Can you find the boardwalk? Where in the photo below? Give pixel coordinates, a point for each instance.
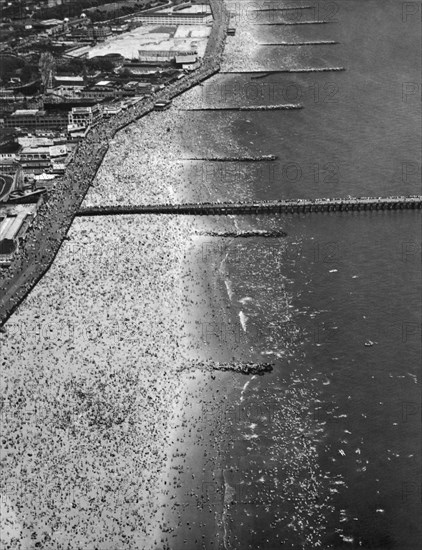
(258, 207)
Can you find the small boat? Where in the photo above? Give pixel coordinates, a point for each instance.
(369, 343)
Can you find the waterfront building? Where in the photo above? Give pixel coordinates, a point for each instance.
(68, 85)
(101, 90)
(32, 119)
(163, 56)
(177, 18)
(186, 61)
(14, 222)
(35, 160)
(83, 117)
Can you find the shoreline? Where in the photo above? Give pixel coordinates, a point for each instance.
(56, 214)
(191, 503)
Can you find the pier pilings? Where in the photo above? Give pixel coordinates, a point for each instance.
(261, 207)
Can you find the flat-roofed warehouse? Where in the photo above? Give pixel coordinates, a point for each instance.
(14, 222)
(170, 19)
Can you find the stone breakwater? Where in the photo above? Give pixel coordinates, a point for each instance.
(309, 43)
(280, 71)
(242, 368)
(245, 234)
(278, 107)
(293, 8)
(287, 23)
(248, 368)
(57, 212)
(245, 158)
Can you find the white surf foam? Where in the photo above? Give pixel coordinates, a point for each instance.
(243, 320)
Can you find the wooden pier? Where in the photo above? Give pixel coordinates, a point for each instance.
(259, 207)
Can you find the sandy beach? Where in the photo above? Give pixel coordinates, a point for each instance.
(120, 433)
(89, 379)
(98, 372)
(92, 362)
(100, 383)
(102, 398)
(147, 163)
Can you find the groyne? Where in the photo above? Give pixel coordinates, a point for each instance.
(280, 71)
(287, 8)
(310, 43)
(274, 233)
(262, 207)
(261, 158)
(279, 107)
(286, 23)
(248, 368)
(55, 215)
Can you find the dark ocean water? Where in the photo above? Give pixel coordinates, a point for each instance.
(359, 132)
(325, 451)
(352, 480)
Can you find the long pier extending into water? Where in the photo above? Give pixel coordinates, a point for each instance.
(261, 207)
(282, 71)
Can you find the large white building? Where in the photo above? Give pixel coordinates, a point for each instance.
(176, 18)
(68, 86)
(83, 117)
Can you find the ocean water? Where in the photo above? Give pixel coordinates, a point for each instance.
(323, 452)
(359, 131)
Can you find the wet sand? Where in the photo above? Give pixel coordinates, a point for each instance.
(192, 483)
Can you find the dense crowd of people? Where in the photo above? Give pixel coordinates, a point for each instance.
(85, 434)
(55, 216)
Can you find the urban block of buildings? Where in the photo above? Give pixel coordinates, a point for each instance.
(42, 121)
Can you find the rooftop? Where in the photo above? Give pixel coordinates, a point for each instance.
(81, 110)
(9, 162)
(69, 79)
(185, 59)
(51, 22)
(36, 149)
(25, 112)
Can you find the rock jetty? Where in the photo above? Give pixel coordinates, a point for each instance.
(248, 368)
